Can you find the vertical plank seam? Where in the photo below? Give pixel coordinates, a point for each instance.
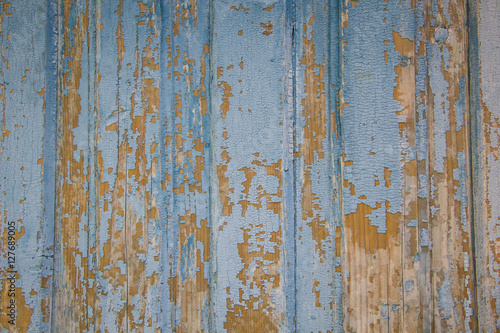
(338, 155)
(427, 7)
(471, 22)
(345, 303)
(211, 165)
(290, 114)
(295, 169)
(175, 235)
(420, 11)
(54, 171)
(125, 142)
(90, 4)
(166, 197)
(49, 148)
(331, 112)
(212, 324)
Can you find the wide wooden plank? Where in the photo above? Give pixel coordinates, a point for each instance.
(128, 168)
(378, 93)
(485, 115)
(407, 202)
(25, 237)
(248, 155)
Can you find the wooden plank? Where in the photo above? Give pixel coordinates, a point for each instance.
(248, 156)
(452, 261)
(128, 164)
(318, 275)
(406, 127)
(92, 127)
(49, 161)
(139, 97)
(422, 284)
(25, 281)
(188, 168)
(378, 103)
(110, 300)
(73, 209)
(485, 115)
(167, 103)
(407, 45)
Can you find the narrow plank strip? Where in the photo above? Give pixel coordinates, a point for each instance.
(485, 115)
(167, 102)
(49, 162)
(23, 291)
(337, 147)
(110, 301)
(72, 214)
(408, 45)
(248, 140)
(139, 97)
(91, 229)
(423, 283)
(189, 222)
(289, 241)
(452, 261)
(317, 299)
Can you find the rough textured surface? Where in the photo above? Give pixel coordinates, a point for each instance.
(318, 249)
(407, 203)
(24, 271)
(186, 157)
(484, 60)
(248, 157)
(257, 166)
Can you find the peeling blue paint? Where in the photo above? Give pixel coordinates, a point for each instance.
(409, 285)
(219, 151)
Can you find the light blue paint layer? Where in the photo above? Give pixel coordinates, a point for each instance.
(22, 81)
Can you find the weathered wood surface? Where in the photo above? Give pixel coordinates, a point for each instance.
(27, 101)
(249, 166)
(248, 157)
(186, 153)
(407, 203)
(485, 117)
